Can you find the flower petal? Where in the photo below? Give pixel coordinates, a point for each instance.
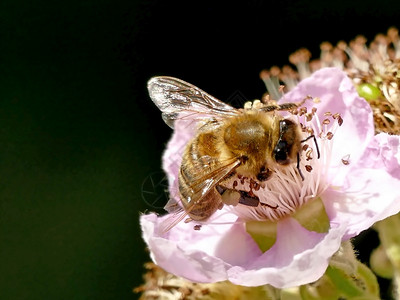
(202, 255)
(372, 189)
(172, 157)
(296, 251)
(194, 265)
(221, 252)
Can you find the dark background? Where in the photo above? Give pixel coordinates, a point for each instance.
(80, 139)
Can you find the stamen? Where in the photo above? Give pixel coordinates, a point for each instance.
(300, 59)
(313, 110)
(302, 111)
(271, 83)
(376, 65)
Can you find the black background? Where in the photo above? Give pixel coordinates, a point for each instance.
(80, 138)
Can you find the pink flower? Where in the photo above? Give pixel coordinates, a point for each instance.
(357, 178)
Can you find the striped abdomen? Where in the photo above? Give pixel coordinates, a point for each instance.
(199, 160)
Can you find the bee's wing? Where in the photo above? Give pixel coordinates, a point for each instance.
(201, 186)
(213, 172)
(179, 99)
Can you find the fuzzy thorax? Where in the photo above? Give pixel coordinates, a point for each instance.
(251, 137)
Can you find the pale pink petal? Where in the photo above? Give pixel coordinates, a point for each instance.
(221, 252)
(298, 257)
(383, 152)
(200, 255)
(193, 265)
(372, 189)
(172, 157)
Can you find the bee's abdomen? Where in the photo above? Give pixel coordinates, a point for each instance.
(199, 159)
(202, 208)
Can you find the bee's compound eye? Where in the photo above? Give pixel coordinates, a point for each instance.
(281, 153)
(284, 124)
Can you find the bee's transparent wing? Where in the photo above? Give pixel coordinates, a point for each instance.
(179, 99)
(213, 172)
(201, 185)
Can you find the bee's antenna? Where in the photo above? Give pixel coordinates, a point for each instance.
(316, 144)
(298, 155)
(298, 167)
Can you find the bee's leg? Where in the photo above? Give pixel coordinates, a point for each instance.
(249, 199)
(234, 197)
(228, 196)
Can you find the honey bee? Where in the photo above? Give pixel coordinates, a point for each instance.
(249, 143)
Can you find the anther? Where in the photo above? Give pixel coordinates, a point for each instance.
(308, 154)
(345, 160)
(340, 120)
(316, 100)
(302, 110)
(315, 141)
(197, 227)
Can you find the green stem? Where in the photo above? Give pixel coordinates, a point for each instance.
(343, 282)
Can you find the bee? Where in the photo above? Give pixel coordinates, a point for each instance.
(248, 143)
